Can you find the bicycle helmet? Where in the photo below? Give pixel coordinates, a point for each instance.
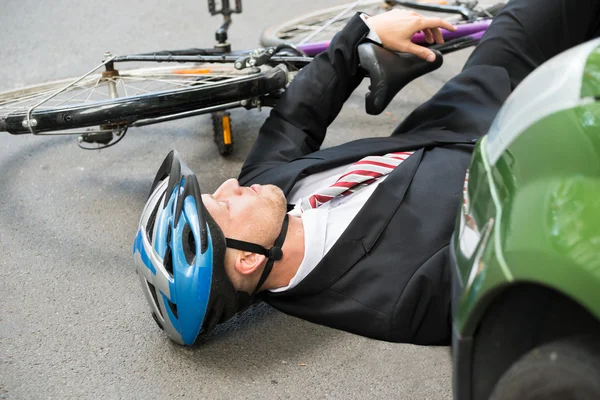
(179, 254)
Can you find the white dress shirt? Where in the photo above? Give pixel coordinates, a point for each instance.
(324, 225)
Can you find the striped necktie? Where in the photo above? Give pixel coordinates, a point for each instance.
(357, 176)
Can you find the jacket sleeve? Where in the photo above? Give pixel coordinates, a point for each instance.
(298, 123)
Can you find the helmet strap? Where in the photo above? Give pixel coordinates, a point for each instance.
(273, 254)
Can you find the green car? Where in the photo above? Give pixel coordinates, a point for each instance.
(526, 249)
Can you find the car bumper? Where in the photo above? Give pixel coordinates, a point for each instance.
(461, 346)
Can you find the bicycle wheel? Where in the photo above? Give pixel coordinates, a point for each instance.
(117, 99)
(322, 25)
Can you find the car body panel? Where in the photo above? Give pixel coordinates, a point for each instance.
(530, 217)
(545, 208)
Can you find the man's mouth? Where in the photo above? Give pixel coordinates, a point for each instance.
(256, 188)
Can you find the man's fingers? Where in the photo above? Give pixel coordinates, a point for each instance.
(437, 33)
(428, 36)
(425, 22)
(419, 51)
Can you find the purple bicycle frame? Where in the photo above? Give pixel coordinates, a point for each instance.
(474, 30)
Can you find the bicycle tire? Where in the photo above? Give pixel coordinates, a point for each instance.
(282, 32)
(195, 90)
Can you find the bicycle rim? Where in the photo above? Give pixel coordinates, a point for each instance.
(100, 91)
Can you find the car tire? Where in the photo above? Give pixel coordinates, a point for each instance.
(564, 369)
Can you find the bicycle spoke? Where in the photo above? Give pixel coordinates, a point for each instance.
(314, 28)
(147, 85)
(331, 21)
(27, 98)
(60, 103)
(178, 83)
(91, 92)
(136, 88)
(124, 88)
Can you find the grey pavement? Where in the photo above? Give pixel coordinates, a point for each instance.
(73, 320)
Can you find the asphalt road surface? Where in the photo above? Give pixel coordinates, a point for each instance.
(73, 320)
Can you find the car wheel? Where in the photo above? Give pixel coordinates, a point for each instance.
(565, 369)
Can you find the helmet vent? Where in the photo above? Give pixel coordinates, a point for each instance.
(155, 297)
(189, 244)
(151, 223)
(168, 261)
(157, 321)
(173, 308)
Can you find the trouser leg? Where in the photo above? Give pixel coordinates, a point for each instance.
(523, 35)
(528, 32)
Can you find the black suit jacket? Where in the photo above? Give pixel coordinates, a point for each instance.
(387, 277)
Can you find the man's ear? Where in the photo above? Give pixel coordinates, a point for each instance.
(246, 262)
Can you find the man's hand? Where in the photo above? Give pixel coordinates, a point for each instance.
(395, 28)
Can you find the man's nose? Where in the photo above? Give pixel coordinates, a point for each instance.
(229, 187)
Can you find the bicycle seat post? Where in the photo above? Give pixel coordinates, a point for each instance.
(226, 10)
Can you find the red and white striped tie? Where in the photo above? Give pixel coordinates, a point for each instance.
(356, 177)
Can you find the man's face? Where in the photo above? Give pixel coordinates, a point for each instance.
(253, 214)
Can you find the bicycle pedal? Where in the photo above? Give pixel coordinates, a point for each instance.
(225, 9)
(222, 131)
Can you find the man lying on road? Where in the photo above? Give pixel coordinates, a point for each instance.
(356, 236)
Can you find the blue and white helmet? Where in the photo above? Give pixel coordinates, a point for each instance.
(179, 255)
